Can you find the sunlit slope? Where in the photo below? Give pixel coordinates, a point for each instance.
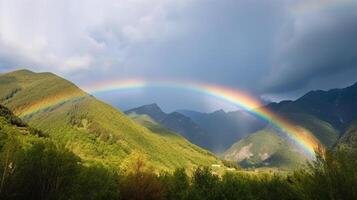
(92, 129)
(265, 149)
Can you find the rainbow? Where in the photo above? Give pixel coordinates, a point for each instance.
(48, 102)
(299, 136)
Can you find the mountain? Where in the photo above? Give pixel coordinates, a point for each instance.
(153, 110)
(265, 148)
(225, 128)
(175, 122)
(329, 115)
(336, 106)
(92, 129)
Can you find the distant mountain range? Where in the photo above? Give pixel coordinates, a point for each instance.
(330, 115)
(225, 127)
(337, 106)
(214, 131)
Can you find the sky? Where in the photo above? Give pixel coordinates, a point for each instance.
(272, 49)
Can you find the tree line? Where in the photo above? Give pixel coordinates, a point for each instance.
(46, 171)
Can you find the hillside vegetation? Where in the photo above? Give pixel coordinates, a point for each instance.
(34, 167)
(92, 129)
(265, 149)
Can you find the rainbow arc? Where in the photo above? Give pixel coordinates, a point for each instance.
(300, 136)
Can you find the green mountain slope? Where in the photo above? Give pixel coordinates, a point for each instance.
(91, 128)
(265, 149)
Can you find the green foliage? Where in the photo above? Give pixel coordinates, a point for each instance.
(140, 183)
(332, 176)
(45, 172)
(204, 184)
(33, 167)
(177, 184)
(96, 182)
(10, 117)
(231, 164)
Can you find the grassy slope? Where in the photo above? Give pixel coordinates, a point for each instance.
(264, 148)
(92, 129)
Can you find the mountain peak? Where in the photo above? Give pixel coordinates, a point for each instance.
(152, 110)
(153, 105)
(219, 112)
(22, 72)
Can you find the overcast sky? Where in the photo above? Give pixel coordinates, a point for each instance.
(274, 49)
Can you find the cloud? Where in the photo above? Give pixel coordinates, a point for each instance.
(67, 36)
(276, 48)
(318, 43)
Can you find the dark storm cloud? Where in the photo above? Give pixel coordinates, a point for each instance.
(324, 46)
(269, 48)
(222, 42)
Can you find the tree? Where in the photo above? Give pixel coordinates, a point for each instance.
(46, 172)
(332, 175)
(177, 185)
(96, 182)
(139, 182)
(204, 184)
(10, 153)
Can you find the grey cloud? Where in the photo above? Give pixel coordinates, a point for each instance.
(325, 45)
(265, 47)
